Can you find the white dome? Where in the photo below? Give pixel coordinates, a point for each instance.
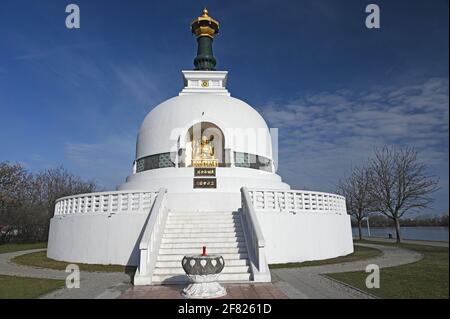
(165, 127)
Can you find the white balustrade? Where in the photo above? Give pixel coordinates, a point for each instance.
(255, 239)
(151, 240)
(297, 201)
(106, 203)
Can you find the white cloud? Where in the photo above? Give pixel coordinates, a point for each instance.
(109, 162)
(323, 135)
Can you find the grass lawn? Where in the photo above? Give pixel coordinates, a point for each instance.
(12, 287)
(9, 248)
(40, 260)
(360, 253)
(427, 278)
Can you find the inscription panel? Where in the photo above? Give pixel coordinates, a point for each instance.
(204, 172)
(205, 183)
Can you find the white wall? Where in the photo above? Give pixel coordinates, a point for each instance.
(305, 236)
(96, 239)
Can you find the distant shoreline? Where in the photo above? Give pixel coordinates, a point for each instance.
(424, 233)
(406, 226)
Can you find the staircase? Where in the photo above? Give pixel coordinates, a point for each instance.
(186, 233)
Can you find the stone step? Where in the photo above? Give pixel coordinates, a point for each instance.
(228, 263)
(199, 245)
(184, 214)
(208, 234)
(212, 250)
(179, 256)
(201, 226)
(200, 217)
(208, 215)
(194, 221)
(216, 229)
(199, 240)
(180, 271)
(180, 279)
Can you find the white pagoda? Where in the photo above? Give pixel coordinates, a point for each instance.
(204, 175)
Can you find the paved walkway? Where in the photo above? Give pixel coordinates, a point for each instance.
(234, 291)
(296, 283)
(308, 282)
(92, 285)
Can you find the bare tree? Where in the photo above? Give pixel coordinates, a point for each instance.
(15, 194)
(27, 201)
(399, 183)
(51, 184)
(356, 190)
(14, 183)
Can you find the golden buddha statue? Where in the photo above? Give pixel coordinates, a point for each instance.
(203, 154)
(207, 150)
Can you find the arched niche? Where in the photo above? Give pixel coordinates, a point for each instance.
(194, 138)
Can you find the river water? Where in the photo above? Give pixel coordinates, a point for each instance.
(419, 233)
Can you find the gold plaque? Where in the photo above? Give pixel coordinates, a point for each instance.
(205, 84)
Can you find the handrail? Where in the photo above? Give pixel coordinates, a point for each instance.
(105, 203)
(297, 201)
(151, 240)
(104, 193)
(259, 189)
(251, 213)
(255, 239)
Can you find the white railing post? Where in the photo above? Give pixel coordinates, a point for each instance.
(264, 199)
(100, 203)
(79, 205)
(129, 203)
(276, 201)
(109, 206)
(119, 202)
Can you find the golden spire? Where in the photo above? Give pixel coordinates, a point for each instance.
(205, 26)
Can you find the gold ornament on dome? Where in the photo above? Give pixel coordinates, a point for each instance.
(203, 153)
(205, 26)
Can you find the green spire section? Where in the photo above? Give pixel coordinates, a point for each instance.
(205, 28)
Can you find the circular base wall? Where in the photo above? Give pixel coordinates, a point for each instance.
(114, 239)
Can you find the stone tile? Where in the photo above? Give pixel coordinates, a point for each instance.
(235, 291)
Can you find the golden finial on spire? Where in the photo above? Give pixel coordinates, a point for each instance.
(205, 25)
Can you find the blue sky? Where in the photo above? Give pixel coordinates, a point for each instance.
(334, 88)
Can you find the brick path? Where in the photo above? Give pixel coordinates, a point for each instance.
(235, 291)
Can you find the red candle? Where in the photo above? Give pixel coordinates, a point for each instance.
(204, 250)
